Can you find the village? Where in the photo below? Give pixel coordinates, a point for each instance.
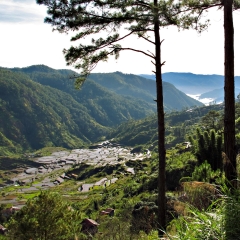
(99, 155)
(52, 172)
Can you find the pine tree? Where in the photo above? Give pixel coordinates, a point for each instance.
(142, 18)
(47, 216)
(208, 147)
(229, 96)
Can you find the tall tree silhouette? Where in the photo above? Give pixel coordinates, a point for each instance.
(142, 18)
(229, 86)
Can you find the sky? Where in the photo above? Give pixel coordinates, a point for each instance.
(26, 40)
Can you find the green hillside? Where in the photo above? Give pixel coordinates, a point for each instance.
(136, 93)
(40, 107)
(144, 89)
(144, 131)
(34, 116)
(106, 107)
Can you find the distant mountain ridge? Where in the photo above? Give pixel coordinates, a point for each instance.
(217, 94)
(192, 84)
(138, 87)
(128, 86)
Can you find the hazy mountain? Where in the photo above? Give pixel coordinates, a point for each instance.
(217, 94)
(191, 83)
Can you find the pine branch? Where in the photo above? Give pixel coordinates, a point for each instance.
(136, 50)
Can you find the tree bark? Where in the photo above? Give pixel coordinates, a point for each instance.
(161, 128)
(229, 96)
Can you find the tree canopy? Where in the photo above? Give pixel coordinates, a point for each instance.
(47, 216)
(102, 26)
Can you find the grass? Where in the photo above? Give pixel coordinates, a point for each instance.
(220, 221)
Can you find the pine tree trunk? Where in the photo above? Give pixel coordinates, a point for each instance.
(161, 129)
(229, 96)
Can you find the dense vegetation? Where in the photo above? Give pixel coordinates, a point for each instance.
(178, 126)
(34, 116)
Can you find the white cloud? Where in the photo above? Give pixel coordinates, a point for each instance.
(26, 40)
(13, 11)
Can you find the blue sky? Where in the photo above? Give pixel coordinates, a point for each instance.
(26, 40)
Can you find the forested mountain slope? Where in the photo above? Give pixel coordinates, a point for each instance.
(40, 106)
(33, 116)
(144, 131)
(142, 88)
(106, 107)
(137, 91)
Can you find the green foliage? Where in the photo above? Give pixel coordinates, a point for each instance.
(212, 120)
(47, 216)
(232, 216)
(204, 173)
(198, 225)
(208, 146)
(220, 221)
(144, 217)
(178, 167)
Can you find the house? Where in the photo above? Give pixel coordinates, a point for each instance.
(63, 175)
(108, 211)
(89, 226)
(8, 212)
(74, 175)
(3, 230)
(59, 180)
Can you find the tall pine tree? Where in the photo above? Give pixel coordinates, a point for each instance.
(103, 21)
(229, 97)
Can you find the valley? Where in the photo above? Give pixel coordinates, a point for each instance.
(53, 170)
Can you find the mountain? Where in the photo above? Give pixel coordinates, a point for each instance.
(130, 85)
(191, 83)
(143, 132)
(40, 106)
(105, 107)
(132, 90)
(217, 94)
(34, 116)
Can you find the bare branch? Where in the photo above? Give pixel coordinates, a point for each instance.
(147, 39)
(136, 50)
(151, 53)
